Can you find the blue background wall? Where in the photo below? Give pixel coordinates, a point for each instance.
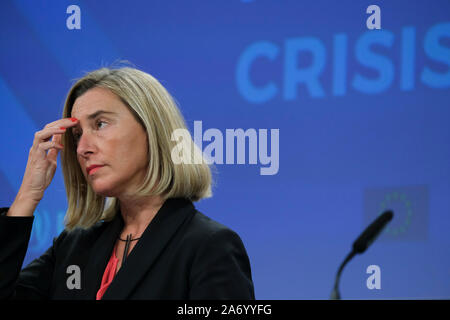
(367, 128)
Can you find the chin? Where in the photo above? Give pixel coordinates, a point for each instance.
(103, 189)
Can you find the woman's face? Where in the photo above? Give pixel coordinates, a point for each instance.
(108, 135)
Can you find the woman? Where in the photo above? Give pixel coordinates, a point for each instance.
(147, 241)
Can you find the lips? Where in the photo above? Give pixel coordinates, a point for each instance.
(92, 167)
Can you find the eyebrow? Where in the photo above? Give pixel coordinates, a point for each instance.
(96, 113)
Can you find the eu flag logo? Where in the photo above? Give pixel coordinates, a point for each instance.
(410, 207)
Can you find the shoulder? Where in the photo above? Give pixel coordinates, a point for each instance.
(203, 226)
(220, 267)
(80, 237)
(205, 232)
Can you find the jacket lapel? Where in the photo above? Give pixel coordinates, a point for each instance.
(100, 254)
(161, 229)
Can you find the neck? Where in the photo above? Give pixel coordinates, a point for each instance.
(137, 213)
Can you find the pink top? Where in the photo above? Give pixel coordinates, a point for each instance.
(108, 275)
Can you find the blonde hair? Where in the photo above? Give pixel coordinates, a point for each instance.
(155, 109)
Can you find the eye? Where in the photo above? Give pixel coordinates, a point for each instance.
(99, 122)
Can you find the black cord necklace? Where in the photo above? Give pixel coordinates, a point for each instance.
(127, 245)
(130, 238)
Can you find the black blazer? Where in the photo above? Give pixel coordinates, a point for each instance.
(182, 254)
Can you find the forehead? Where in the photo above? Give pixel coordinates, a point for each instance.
(96, 99)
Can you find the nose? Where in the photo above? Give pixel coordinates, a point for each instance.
(86, 144)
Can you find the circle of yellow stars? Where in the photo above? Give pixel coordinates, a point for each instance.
(402, 198)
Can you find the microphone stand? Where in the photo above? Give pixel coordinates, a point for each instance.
(335, 295)
(361, 244)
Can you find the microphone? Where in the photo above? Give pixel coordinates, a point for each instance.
(361, 244)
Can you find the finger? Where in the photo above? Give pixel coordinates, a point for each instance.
(52, 154)
(57, 138)
(66, 122)
(58, 125)
(45, 146)
(41, 151)
(45, 134)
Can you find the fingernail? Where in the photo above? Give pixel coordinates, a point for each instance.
(74, 119)
(62, 128)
